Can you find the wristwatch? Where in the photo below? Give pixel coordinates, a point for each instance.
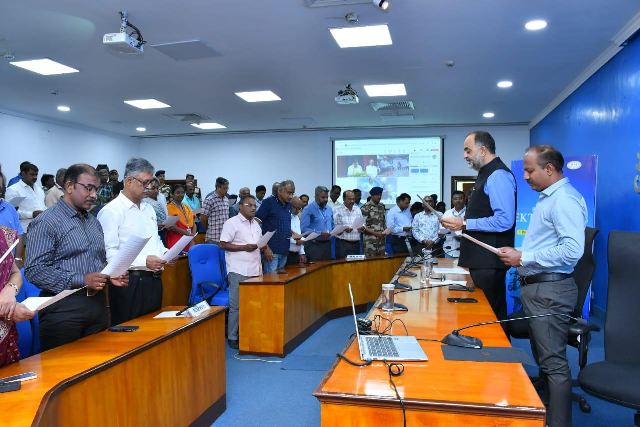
(18, 258)
(14, 286)
(520, 263)
(464, 224)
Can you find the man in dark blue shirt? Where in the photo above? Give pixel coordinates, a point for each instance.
(275, 214)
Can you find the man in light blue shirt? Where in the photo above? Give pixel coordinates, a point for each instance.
(317, 217)
(399, 217)
(552, 247)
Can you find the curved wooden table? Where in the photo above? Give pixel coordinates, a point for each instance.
(171, 372)
(437, 392)
(279, 311)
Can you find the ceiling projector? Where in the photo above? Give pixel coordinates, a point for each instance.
(347, 96)
(123, 42)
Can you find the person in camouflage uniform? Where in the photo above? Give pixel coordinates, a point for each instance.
(165, 188)
(375, 223)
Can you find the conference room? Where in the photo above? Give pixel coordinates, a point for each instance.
(393, 101)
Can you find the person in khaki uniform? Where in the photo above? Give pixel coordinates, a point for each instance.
(375, 223)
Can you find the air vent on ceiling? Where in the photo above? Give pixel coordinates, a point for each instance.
(393, 106)
(186, 50)
(188, 117)
(396, 118)
(323, 3)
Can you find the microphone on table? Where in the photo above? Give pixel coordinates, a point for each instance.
(409, 265)
(458, 340)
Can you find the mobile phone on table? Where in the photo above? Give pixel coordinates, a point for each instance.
(19, 378)
(468, 300)
(123, 328)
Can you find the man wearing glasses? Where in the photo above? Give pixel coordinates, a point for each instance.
(66, 251)
(130, 215)
(242, 256)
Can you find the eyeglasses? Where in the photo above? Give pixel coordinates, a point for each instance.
(90, 188)
(251, 205)
(145, 184)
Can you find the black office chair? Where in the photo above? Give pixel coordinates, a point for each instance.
(617, 379)
(579, 335)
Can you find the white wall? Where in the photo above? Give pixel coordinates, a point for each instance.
(53, 146)
(305, 156)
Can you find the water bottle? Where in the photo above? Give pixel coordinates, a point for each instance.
(387, 298)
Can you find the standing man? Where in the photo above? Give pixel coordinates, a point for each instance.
(490, 218)
(105, 189)
(261, 190)
(113, 177)
(190, 199)
(375, 223)
(238, 239)
(275, 215)
(56, 192)
(425, 225)
(452, 242)
(399, 217)
(358, 195)
(129, 215)
(9, 218)
(66, 251)
(18, 177)
(235, 209)
(296, 247)
(165, 189)
(190, 178)
(551, 248)
(33, 203)
(348, 242)
(318, 218)
(333, 197)
(215, 211)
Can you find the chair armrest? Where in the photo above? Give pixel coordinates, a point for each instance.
(215, 285)
(578, 329)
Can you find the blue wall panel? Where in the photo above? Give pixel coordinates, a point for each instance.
(603, 117)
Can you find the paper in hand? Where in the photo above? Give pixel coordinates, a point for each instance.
(262, 241)
(16, 201)
(177, 248)
(196, 211)
(39, 303)
(310, 237)
(438, 213)
(170, 221)
(338, 230)
(125, 256)
(479, 243)
(388, 231)
(358, 222)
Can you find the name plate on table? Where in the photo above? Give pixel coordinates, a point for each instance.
(355, 257)
(197, 309)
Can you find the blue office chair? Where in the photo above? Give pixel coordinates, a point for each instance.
(207, 275)
(28, 330)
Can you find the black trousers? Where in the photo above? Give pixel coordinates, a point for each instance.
(72, 318)
(492, 282)
(549, 342)
(347, 247)
(293, 258)
(399, 246)
(142, 296)
(318, 250)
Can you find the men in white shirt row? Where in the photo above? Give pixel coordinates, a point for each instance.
(425, 225)
(348, 242)
(452, 242)
(296, 247)
(33, 203)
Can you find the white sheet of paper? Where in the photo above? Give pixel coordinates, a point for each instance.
(338, 230)
(438, 213)
(306, 233)
(262, 242)
(16, 201)
(125, 256)
(170, 221)
(388, 231)
(358, 222)
(451, 282)
(177, 248)
(479, 243)
(196, 211)
(4, 255)
(295, 236)
(168, 314)
(454, 270)
(39, 303)
(310, 237)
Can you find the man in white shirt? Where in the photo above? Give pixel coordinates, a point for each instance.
(334, 194)
(348, 242)
(130, 215)
(372, 169)
(33, 203)
(425, 225)
(55, 193)
(354, 169)
(452, 242)
(296, 247)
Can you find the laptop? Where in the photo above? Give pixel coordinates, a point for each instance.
(386, 347)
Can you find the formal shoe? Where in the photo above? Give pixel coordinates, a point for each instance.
(234, 344)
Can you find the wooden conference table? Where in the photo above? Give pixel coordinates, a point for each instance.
(170, 372)
(437, 392)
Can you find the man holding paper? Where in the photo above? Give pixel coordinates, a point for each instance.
(553, 245)
(129, 215)
(348, 215)
(275, 215)
(399, 217)
(373, 211)
(66, 251)
(238, 239)
(490, 218)
(318, 218)
(425, 225)
(296, 246)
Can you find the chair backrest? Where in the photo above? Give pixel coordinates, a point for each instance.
(583, 272)
(204, 262)
(28, 330)
(622, 321)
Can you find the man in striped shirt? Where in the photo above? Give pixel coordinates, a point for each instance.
(347, 243)
(66, 252)
(215, 211)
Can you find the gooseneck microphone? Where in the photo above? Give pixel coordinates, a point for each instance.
(458, 340)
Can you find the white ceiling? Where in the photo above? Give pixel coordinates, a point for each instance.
(285, 46)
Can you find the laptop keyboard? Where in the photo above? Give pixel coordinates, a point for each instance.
(381, 347)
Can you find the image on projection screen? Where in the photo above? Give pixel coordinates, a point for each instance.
(398, 165)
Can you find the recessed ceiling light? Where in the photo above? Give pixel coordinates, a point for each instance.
(535, 25)
(146, 104)
(63, 108)
(488, 115)
(373, 35)
(258, 96)
(505, 83)
(210, 125)
(141, 129)
(386, 90)
(45, 66)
